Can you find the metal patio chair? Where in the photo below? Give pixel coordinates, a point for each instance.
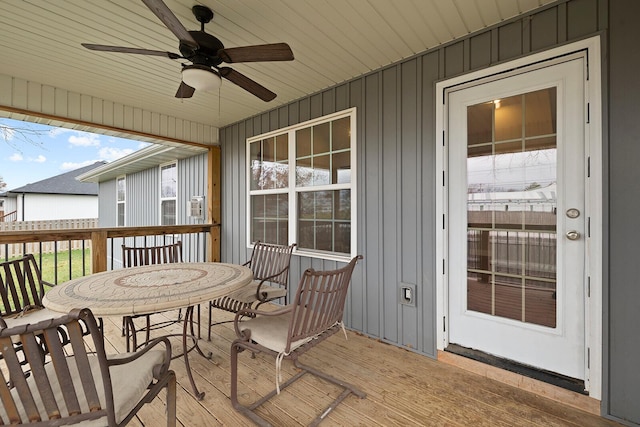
(286, 333)
(270, 265)
(21, 292)
(74, 385)
(148, 255)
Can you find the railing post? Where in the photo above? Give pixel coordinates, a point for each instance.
(98, 251)
(213, 251)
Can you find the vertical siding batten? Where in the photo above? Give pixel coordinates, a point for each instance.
(385, 132)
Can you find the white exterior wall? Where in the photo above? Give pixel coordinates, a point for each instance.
(38, 207)
(9, 204)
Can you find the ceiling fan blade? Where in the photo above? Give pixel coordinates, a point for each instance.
(257, 53)
(247, 84)
(120, 49)
(185, 91)
(170, 21)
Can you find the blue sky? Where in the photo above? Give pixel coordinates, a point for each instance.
(30, 152)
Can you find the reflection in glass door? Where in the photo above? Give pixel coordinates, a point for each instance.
(512, 207)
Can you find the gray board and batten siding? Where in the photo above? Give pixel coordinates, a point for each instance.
(143, 194)
(395, 154)
(143, 202)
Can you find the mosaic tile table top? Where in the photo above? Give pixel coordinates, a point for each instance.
(148, 289)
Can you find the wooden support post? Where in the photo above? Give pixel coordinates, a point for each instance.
(213, 203)
(98, 251)
(214, 235)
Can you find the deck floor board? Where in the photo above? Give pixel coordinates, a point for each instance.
(403, 388)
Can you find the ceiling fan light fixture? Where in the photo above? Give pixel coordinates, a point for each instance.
(201, 77)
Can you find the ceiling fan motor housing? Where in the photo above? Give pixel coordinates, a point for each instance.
(206, 53)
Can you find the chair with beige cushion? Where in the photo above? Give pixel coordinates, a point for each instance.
(77, 383)
(270, 265)
(287, 333)
(21, 292)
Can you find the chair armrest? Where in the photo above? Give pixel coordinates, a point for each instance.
(45, 283)
(163, 369)
(253, 313)
(267, 279)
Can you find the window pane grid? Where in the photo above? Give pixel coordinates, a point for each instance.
(319, 193)
(270, 218)
(121, 189)
(269, 163)
(324, 220)
(168, 194)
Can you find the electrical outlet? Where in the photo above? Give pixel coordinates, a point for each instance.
(407, 294)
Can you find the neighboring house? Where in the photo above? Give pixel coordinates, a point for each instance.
(59, 197)
(7, 207)
(554, 92)
(151, 186)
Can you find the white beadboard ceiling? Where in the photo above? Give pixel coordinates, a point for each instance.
(332, 40)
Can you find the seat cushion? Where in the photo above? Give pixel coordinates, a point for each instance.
(247, 294)
(271, 332)
(31, 316)
(129, 382)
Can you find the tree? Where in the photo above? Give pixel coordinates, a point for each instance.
(12, 134)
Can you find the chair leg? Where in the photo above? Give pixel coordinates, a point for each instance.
(171, 401)
(247, 412)
(209, 323)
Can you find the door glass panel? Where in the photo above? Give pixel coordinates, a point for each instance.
(511, 207)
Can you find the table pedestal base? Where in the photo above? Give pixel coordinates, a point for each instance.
(188, 333)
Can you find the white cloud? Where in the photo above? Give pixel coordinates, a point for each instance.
(111, 153)
(16, 157)
(83, 139)
(69, 166)
(59, 131)
(39, 159)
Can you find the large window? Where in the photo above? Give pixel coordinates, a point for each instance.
(121, 199)
(302, 186)
(168, 193)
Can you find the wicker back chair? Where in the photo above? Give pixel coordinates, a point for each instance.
(270, 265)
(314, 315)
(147, 255)
(72, 385)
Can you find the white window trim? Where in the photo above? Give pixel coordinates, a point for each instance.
(593, 141)
(123, 202)
(162, 199)
(292, 190)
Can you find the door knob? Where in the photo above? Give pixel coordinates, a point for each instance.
(573, 235)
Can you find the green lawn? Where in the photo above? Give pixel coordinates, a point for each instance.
(50, 264)
(55, 269)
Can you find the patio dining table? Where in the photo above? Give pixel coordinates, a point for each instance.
(151, 289)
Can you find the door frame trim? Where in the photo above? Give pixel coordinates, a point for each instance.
(593, 197)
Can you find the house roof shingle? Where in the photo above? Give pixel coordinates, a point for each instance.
(65, 183)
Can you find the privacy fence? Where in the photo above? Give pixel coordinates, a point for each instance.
(11, 250)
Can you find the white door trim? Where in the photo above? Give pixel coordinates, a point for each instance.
(593, 203)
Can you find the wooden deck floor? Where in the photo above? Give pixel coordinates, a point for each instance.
(403, 389)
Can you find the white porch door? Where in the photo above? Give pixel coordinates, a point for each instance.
(516, 198)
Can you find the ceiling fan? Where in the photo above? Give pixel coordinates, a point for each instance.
(205, 54)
